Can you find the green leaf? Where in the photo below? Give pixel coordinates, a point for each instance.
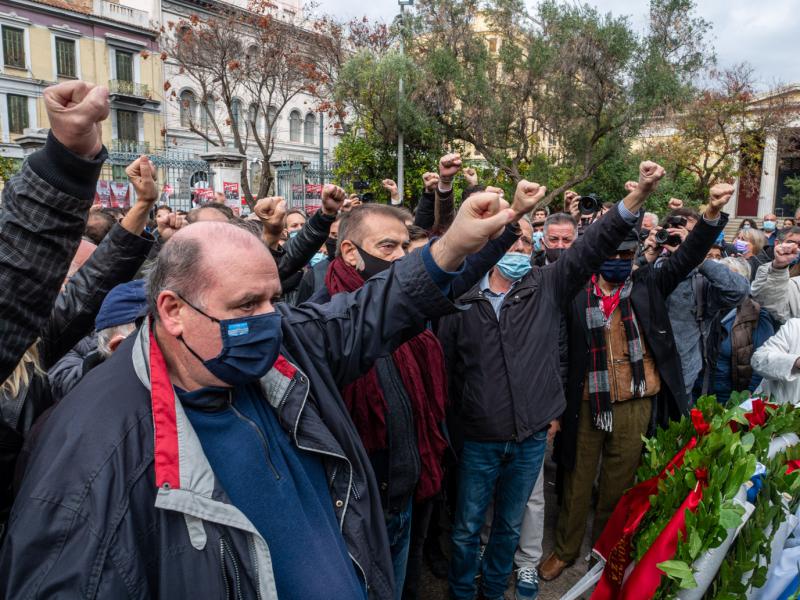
(695, 544)
(747, 441)
(731, 516)
(680, 572)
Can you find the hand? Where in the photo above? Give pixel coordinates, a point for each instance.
(480, 218)
(496, 190)
(571, 204)
(172, 224)
(332, 199)
(719, 195)
(650, 174)
(394, 194)
(271, 212)
(526, 197)
(785, 254)
(555, 427)
(680, 232)
(142, 175)
(449, 165)
(430, 181)
(675, 203)
(75, 110)
(631, 185)
(95, 208)
(471, 177)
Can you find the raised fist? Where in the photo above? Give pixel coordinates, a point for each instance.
(449, 165)
(391, 186)
(631, 186)
(168, 227)
(481, 217)
(75, 110)
(142, 175)
(526, 197)
(430, 181)
(785, 254)
(471, 177)
(675, 203)
(271, 212)
(650, 174)
(332, 199)
(719, 195)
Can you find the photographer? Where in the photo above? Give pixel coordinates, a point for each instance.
(700, 299)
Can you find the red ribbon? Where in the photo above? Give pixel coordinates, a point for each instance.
(792, 466)
(614, 544)
(699, 422)
(646, 576)
(758, 416)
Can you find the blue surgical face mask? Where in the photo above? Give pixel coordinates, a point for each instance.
(616, 270)
(514, 265)
(250, 346)
(537, 238)
(317, 258)
(741, 246)
(294, 233)
(746, 226)
(769, 225)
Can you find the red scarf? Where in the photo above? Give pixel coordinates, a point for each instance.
(607, 303)
(420, 362)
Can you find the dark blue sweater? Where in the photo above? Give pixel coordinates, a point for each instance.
(282, 490)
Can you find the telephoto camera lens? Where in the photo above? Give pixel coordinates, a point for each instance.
(589, 205)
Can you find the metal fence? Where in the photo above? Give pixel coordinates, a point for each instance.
(301, 183)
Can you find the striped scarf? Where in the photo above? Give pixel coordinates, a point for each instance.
(598, 322)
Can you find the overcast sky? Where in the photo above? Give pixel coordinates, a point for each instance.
(765, 33)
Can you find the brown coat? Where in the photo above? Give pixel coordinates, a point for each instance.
(742, 346)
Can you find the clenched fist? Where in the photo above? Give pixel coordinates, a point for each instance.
(719, 195)
(430, 181)
(471, 177)
(480, 218)
(142, 175)
(391, 187)
(785, 254)
(526, 197)
(168, 227)
(650, 174)
(75, 110)
(271, 212)
(675, 203)
(631, 186)
(332, 199)
(449, 165)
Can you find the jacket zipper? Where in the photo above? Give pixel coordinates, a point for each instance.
(223, 547)
(258, 432)
(339, 456)
(251, 544)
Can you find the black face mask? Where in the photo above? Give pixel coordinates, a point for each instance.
(553, 254)
(330, 246)
(372, 264)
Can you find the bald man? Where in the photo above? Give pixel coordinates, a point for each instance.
(212, 456)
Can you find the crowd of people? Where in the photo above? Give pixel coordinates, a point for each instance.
(293, 406)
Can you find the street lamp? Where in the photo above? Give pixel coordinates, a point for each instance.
(400, 158)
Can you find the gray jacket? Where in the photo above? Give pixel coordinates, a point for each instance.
(721, 290)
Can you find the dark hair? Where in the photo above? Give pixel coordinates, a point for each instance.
(176, 269)
(163, 207)
(296, 211)
(689, 213)
(98, 225)
(560, 218)
(250, 225)
(416, 233)
(786, 231)
(352, 224)
(218, 206)
(752, 223)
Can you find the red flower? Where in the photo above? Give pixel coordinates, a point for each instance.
(699, 422)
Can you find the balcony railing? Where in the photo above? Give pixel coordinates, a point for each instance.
(128, 88)
(130, 146)
(121, 13)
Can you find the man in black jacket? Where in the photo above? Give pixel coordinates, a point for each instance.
(138, 496)
(503, 363)
(623, 362)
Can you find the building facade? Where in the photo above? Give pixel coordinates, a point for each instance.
(99, 41)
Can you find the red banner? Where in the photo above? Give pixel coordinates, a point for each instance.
(102, 195)
(120, 194)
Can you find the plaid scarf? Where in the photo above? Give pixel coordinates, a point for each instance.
(598, 322)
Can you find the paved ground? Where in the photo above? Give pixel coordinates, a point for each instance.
(436, 589)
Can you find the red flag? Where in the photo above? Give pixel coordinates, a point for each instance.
(614, 544)
(646, 576)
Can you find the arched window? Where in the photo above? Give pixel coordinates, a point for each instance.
(272, 120)
(308, 128)
(207, 113)
(188, 107)
(236, 112)
(295, 121)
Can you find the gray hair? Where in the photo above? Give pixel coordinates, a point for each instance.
(104, 337)
(176, 269)
(560, 218)
(737, 264)
(652, 216)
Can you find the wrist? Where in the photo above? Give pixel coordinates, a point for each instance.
(443, 256)
(779, 267)
(444, 188)
(712, 214)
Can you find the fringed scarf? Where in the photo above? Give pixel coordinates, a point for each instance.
(420, 362)
(599, 309)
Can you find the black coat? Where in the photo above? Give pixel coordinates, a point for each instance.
(651, 287)
(504, 377)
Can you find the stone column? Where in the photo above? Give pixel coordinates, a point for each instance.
(225, 165)
(769, 176)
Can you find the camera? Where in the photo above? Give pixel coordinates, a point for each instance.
(676, 221)
(590, 204)
(360, 185)
(663, 236)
